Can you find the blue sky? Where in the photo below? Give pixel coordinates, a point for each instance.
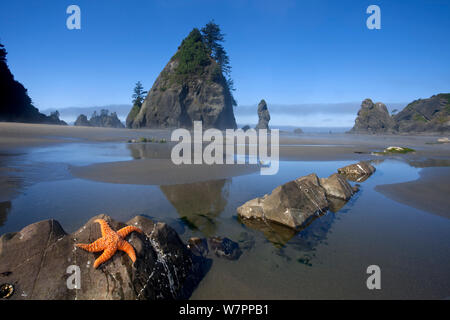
(287, 52)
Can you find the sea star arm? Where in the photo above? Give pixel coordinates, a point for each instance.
(105, 256)
(127, 230)
(96, 246)
(104, 227)
(126, 247)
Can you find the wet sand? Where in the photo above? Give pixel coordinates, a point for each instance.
(156, 167)
(158, 172)
(431, 192)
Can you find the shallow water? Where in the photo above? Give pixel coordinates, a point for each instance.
(328, 259)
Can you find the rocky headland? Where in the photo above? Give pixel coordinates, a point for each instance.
(15, 104)
(430, 115)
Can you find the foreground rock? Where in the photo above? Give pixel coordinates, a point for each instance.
(263, 115)
(373, 118)
(336, 186)
(36, 259)
(292, 204)
(296, 203)
(357, 172)
(191, 87)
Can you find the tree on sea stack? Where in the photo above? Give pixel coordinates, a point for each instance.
(139, 94)
(138, 97)
(191, 87)
(213, 37)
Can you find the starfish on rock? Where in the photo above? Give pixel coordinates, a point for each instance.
(110, 242)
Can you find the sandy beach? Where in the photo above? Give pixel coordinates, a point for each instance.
(429, 192)
(154, 167)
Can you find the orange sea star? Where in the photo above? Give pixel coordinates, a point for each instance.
(110, 242)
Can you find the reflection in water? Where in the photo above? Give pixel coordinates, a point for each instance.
(307, 237)
(149, 150)
(5, 208)
(200, 203)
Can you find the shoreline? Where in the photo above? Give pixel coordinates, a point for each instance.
(428, 193)
(155, 167)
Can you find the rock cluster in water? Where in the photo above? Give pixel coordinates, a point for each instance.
(296, 203)
(423, 115)
(104, 119)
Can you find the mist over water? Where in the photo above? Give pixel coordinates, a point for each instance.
(309, 117)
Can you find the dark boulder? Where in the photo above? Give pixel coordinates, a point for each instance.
(221, 247)
(38, 259)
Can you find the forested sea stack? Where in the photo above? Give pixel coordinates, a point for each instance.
(191, 87)
(430, 115)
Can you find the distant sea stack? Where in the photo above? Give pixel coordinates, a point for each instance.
(104, 119)
(15, 104)
(373, 118)
(191, 87)
(430, 115)
(263, 115)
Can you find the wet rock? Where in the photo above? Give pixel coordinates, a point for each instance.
(198, 246)
(221, 247)
(357, 172)
(39, 258)
(275, 233)
(224, 248)
(292, 204)
(336, 186)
